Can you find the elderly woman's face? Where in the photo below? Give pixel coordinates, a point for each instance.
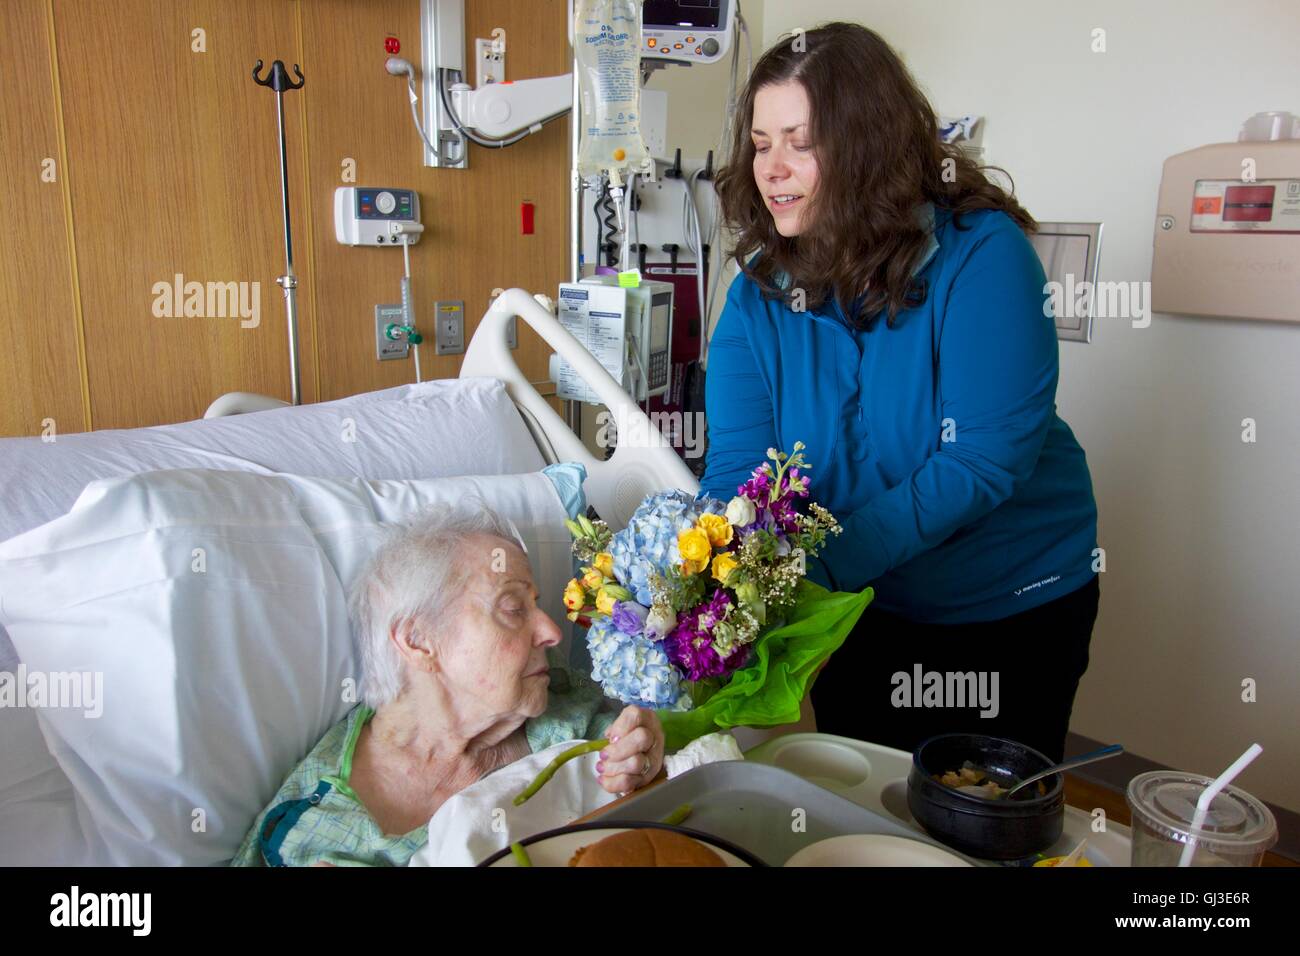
(493, 653)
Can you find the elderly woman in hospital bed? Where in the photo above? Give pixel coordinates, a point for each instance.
(454, 686)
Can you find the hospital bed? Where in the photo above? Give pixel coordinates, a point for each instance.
(40, 819)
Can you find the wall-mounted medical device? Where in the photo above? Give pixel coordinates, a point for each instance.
(687, 31)
(374, 215)
(454, 114)
(1227, 231)
(629, 330)
(384, 217)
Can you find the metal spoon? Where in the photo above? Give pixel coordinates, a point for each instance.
(1070, 764)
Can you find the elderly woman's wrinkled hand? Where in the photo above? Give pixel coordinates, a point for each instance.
(635, 752)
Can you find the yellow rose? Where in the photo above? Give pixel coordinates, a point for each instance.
(604, 563)
(592, 579)
(694, 546)
(723, 564)
(718, 528)
(574, 596)
(605, 602)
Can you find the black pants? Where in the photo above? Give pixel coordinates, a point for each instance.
(1038, 656)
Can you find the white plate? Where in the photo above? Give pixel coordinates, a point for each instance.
(558, 850)
(873, 849)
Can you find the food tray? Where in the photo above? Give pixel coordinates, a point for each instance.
(875, 777)
(757, 807)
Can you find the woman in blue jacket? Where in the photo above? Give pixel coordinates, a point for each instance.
(891, 316)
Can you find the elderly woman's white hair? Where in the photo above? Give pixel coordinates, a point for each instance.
(408, 578)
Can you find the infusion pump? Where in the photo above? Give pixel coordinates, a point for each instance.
(628, 330)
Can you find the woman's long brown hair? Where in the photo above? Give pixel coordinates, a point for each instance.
(878, 153)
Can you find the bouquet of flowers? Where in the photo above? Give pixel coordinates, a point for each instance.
(701, 609)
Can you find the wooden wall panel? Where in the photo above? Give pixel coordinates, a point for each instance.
(171, 168)
(40, 374)
(174, 169)
(472, 241)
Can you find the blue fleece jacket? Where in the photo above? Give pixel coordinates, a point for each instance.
(936, 443)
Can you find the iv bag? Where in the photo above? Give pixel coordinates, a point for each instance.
(607, 46)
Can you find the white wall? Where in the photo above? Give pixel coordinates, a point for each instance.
(1200, 529)
(697, 99)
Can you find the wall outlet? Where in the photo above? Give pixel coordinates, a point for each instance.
(386, 348)
(490, 61)
(449, 327)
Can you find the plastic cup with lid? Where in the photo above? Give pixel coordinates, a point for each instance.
(1237, 830)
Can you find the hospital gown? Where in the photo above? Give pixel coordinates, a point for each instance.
(316, 817)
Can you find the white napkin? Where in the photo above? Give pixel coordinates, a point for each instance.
(710, 748)
(482, 818)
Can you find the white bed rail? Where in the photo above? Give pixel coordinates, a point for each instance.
(642, 463)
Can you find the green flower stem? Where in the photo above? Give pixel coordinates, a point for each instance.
(520, 854)
(677, 816)
(590, 746)
(783, 463)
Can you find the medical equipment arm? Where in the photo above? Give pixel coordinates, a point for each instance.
(501, 109)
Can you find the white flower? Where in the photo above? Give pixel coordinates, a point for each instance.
(660, 622)
(740, 512)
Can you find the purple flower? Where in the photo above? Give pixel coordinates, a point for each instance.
(758, 488)
(690, 645)
(629, 617)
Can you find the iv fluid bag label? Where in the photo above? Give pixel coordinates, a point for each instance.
(608, 50)
(617, 82)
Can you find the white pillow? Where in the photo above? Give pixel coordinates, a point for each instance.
(213, 605)
(433, 429)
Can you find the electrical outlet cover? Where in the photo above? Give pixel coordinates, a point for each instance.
(449, 327)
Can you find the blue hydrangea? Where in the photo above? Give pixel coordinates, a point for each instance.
(649, 542)
(634, 670)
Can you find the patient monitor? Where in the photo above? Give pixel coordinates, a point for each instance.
(687, 31)
(629, 330)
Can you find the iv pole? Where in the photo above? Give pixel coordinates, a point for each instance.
(277, 78)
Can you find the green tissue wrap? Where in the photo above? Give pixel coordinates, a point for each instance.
(768, 691)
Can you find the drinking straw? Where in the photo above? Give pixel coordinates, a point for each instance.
(1212, 791)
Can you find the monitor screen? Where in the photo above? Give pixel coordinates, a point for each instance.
(696, 14)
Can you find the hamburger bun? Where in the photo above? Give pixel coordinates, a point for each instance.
(646, 847)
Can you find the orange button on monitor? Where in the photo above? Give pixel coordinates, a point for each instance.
(1207, 205)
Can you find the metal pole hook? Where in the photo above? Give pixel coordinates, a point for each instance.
(277, 78)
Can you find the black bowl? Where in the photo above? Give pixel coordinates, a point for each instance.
(990, 829)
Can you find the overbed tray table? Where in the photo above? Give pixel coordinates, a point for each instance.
(841, 785)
